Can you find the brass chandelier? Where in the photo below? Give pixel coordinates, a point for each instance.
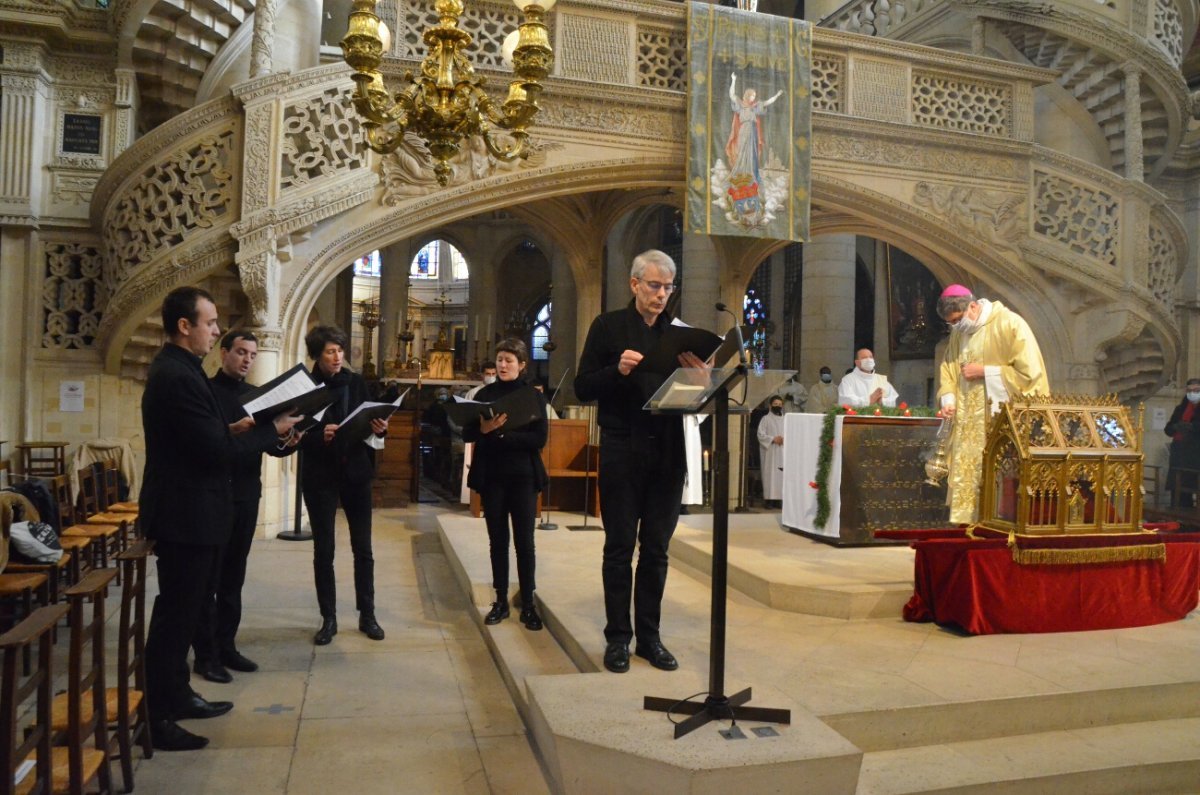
(445, 103)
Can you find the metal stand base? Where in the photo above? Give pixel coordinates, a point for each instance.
(547, 526)
(715, 708)
(295, 535)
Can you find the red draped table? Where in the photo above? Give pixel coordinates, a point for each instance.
(976, 584)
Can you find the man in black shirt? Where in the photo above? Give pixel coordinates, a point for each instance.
(186, 505)
(214, 644)
(642, 462)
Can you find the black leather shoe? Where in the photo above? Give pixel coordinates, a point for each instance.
(196, 708)
(498, 613)
(530, 618)
(167, 735)
(232, 658)
(368, 626)
(658, 655)
(213, 671)
(616, 657)
(326, 632)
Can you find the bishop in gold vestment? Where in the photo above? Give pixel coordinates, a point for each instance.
(991, 357)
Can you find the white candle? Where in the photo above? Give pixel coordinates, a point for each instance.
(477, 327)
(488, 338)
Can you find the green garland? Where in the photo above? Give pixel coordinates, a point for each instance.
(825, 455)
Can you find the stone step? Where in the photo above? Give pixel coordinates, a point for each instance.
(518, 652)
(908, 727)
(1154, 756)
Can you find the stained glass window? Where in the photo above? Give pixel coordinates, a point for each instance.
(367, 265)
(425, 264)
(541, 334)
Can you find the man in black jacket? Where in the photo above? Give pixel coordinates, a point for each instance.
(215, 642)
(186, 505)
(642, 463)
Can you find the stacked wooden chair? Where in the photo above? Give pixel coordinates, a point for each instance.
(79, 717)
(107, 538)
(26, 761)
(128, 714)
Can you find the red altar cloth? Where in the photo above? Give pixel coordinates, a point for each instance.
(977, 585)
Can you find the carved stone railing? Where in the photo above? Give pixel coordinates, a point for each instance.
(1163, 23)
(231, 180)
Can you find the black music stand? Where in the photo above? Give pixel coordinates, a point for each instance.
(694, 391)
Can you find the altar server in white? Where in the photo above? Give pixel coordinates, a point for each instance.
(693, 449)
(770, 442)
(862, 386)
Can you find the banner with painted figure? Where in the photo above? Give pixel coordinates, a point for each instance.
(749, 123)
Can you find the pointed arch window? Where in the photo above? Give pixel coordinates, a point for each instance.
(541, 334)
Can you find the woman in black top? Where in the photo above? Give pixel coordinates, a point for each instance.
(340, 470)
(507, 471)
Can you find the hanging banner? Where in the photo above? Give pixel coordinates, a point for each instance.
(749, 122)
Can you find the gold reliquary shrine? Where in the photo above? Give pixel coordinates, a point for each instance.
(1056, 465)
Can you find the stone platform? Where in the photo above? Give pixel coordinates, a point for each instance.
(878, 705)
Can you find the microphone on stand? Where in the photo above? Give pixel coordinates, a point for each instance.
(546, 524)
(737, 329)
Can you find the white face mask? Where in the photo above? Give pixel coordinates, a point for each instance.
(867, 365)
(1193, 397)
(489, 379)
(826, 378)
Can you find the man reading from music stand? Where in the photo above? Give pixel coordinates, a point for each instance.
(642, 461)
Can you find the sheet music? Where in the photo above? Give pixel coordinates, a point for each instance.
(297, 383)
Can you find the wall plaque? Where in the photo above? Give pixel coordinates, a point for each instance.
(81, 133)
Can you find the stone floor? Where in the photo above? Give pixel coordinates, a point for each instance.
(424, 711)
(430, 710)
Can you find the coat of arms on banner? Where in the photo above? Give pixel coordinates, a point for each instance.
(749, 114)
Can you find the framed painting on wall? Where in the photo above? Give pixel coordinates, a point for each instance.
(914, 327)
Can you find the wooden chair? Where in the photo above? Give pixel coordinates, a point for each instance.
(112, 491)
(19, 743)
(80, 716)
(18, 590)
(107, 537)
(128, 713)
(79, 546)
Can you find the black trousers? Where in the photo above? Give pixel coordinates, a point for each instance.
(514, 498)
(222, 615)
(185, 576)
(322, 502)
(640, 495)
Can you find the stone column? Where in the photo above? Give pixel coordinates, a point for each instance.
(881, 344)
(776, 310)
(702, 282)
(618, 261)
(263, 42)
(827, 313)
(23, 125)
(393, 302)
(563, 331)
(1134, 166)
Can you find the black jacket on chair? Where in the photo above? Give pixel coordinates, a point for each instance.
(190, 453)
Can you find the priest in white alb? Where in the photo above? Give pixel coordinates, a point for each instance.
(770, 443)
(991, 356)
(862, 386)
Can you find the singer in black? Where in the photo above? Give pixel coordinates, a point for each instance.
(508, 473)
(340, 470)
(186, 505)
(642, 462)
(215, 642)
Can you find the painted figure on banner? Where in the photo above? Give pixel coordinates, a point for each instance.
(753, 184)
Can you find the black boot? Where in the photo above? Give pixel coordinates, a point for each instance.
(530, 617)
(326, 632)
(369, 626)
(499, 610)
